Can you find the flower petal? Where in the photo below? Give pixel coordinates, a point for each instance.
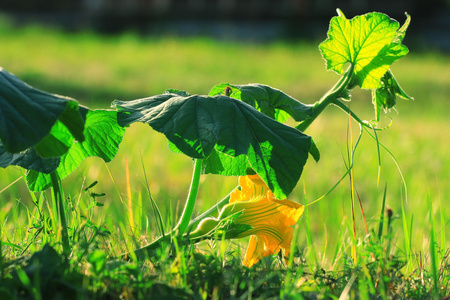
(255, 251)
(271, 219)
(252, 187)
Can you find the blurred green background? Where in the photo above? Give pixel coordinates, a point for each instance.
(95, 68)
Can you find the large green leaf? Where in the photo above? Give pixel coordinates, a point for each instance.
(27, 116)
(370, 42)
(102, 138)
(268, 100)
(219, 127)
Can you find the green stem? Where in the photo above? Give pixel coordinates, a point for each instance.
(351, 113)
(211, 212)
(334, 93)
(190, 203)
(147, 250)
(57, 193)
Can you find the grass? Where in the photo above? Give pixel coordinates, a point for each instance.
(409, 259)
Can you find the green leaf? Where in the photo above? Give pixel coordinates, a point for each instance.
(223, 164)
(27, 114)
(370, 42)
(386, 96)
(221, 130)
(28, 159)
(270, 101)
(56, 143)
(102, 138)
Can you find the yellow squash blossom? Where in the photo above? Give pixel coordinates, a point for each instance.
(271, 219)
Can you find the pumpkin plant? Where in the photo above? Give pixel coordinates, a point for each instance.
(238, 130)
(235, 130)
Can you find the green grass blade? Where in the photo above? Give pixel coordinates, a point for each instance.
(312, 251)
(380, 226)
(155, 208)
(407, 237)
(441, 212)
(433, 252)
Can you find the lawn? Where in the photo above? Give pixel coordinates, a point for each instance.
(96, 69)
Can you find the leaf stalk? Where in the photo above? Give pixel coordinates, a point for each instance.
(190, 203)
(58, 196)
(336, 92)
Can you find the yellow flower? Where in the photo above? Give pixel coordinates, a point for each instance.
(271, 219)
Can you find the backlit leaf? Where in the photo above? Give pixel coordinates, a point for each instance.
(370, 42)
(102, 138)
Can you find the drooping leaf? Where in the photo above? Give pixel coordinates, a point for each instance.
(27, 114)
(270, 101)
(370, 42)
(218, 128)
(102, 138)
(28, 159)
(386, 96)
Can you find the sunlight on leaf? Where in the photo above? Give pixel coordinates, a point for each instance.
(56, 143)
(371, 42)
(103, 136)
